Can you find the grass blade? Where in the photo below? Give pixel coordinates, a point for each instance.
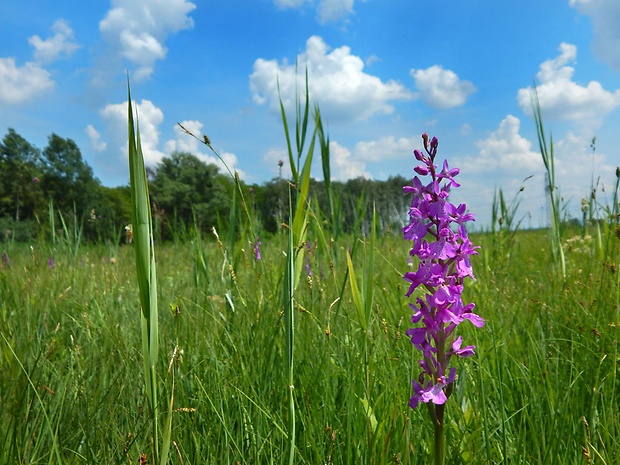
(357, 296)
(145, 267)
(289, 328)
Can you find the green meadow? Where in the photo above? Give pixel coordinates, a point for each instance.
(198, 350)
(542, 388)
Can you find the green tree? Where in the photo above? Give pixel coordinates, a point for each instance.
(184, 187)
(19, 167)
(111, 214)
(67, 179)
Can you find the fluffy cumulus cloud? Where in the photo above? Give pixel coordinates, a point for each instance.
(605, 15)
(113, 153)
(441, 88)
(183, 142)
(149, 119)
(576, 162)
(563, 99)
(337, 79)
(19, 84)
(95, 138)
(328, 10)
(385, 148)
(60, 44)
(137, 29)
(344, 165)
(506, 150)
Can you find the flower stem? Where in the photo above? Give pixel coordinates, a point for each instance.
(439, 442)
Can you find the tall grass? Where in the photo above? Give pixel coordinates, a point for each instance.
(546, 151)
(147, 283)
(548, 360)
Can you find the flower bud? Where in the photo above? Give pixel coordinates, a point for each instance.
(434, 144)
(418, 155)
(421, 170)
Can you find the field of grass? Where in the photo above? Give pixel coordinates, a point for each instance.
(542, 388)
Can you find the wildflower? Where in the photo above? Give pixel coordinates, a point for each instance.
(437, 230)
(256, 249)
(50, 263)
(129, 233)
(35, 180)
(5, 260)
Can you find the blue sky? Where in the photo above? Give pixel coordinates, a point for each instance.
(382, 71)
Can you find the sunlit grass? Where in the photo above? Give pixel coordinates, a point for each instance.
(301, 356)
(542, 389)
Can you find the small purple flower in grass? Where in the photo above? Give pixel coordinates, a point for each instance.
(256, 249)
(50, 263)
(437, 230)
(5, 260)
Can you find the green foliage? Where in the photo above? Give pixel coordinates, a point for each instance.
(20, 164)
(30, 179)
(17, 231)
(67, 178)
(189, 192)
(504, 225)
(185, 192)
(546, 151)
(147, 282)
(542, 388)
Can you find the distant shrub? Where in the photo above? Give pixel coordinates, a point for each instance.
(19, 231)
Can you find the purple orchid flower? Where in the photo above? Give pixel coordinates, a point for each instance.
(439, 236)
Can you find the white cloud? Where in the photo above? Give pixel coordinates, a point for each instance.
(605, 15)
(344, 166)
(137, 29)
(465, 129)
(290, 3)
(331, 10)
(49, 50)
(183, 142)
(20, 84)
(149, 118)
(562, 99)
(441, 88)
(576, 163)
(328, 10)
(385, 148)
(95, 138)
(273, 158)
(345, 92)
(372, 59)
(506, 150)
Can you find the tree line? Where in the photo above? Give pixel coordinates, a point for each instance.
(186, 195)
